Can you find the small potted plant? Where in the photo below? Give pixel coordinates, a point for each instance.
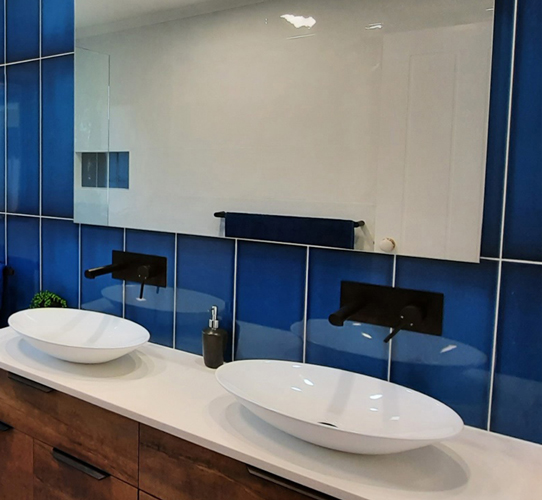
(47, 299)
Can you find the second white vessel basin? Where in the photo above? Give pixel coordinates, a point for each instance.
(337, 409)
(78, 336)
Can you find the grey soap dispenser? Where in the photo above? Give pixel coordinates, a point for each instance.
(214, 342)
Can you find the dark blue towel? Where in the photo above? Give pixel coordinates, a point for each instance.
(335, 233)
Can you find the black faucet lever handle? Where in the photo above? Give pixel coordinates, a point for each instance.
(411, 316)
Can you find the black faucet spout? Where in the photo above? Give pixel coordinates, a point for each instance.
(339, 317)
(100, 271)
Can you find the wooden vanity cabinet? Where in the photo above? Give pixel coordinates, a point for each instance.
(100, 437)
(174, 469)
(56, 447)
(16, 464)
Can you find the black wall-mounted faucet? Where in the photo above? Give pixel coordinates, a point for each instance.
(134, 267)
(397, 308)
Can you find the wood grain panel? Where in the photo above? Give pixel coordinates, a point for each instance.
(57, 481)
(105, 439)
(145, 496)
(174, 469)
(16, 465)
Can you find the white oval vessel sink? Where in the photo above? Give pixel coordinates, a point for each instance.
(78, 336)
(337, 409)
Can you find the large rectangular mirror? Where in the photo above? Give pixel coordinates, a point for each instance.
(367, 116)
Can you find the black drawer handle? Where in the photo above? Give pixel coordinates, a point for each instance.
(285, 483)
(5, 427)
(89, 470)
(29, 383)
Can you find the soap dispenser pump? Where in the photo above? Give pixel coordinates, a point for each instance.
(214, 342)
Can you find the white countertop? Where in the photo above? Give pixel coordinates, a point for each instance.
(174, 392)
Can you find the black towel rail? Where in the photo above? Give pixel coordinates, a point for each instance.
(222, 215)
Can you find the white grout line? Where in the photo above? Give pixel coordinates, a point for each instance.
(40, 153)
(5, 150)
(123, 281)
(306, 308)
(38, 216)
(390, 345)
(234, 301)
(513, 261)
(80, 266)
(38, 58)
(175, 266)
(503, 215)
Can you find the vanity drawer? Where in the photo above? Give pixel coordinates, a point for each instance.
(174, 469)
(57, 480)
(92, 434)
(16, 451)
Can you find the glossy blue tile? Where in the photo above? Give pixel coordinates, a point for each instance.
(498, 126)
(103, 293)
(453, 368)
(523, 222)
(204, 279)
(155, 312)
(2, 31)
(23, 138)
(517, 396)
(2, 238)
(22, 30)
(2, 141)
(354, 347)
(57, 27)
(60, 259)
(23, 257)
(57, 136)
(270, 301)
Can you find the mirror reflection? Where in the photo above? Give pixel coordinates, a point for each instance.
(354, 123)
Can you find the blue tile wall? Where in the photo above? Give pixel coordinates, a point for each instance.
(23, 255)
(2, 142)
(60, 254)
(23, 142)
(272, 303)
(22, 30)
(57, 27)
(204, 279)
(57, 136)
(518, 374)
(354, 347)
(155, 311)
(454, 368)
(523, 221)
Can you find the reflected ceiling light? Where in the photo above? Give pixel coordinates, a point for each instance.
(373, 409)
(296, 389)
(374, 26)
(366, 335)
(307, 381)
(376, 396)
(394, 418)
(448, 348)
(299, 21)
